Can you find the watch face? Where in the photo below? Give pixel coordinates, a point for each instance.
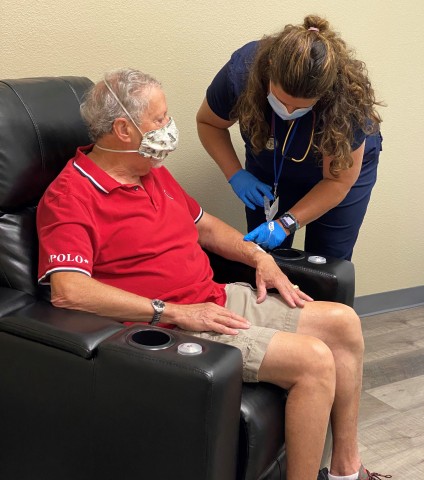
(287, 221)
(158, 305)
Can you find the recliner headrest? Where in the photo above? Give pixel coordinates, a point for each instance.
(40, 128)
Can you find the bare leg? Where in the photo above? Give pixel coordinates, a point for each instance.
(305, 366)
(339, 328)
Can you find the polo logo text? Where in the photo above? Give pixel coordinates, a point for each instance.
(67, 257)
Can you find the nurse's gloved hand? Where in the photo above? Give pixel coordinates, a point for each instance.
(249, 189)
(269, 235)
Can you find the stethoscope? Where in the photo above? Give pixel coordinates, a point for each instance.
(291, 132)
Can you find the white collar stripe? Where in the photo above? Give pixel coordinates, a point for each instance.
(94, 182)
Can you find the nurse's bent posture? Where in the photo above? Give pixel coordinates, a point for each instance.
(307, 115)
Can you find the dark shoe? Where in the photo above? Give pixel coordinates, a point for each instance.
(364, 474)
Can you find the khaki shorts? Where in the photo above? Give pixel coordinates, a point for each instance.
(267, 318)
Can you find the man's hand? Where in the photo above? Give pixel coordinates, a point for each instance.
(206, 317)
(269, 275)
(224, 240)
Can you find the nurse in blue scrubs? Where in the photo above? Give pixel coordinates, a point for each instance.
(307, 114)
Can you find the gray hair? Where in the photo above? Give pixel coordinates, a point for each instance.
(100, 108)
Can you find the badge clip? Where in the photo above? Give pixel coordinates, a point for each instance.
(270, 210)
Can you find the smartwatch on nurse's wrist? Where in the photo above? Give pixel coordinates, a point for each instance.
(289, 222)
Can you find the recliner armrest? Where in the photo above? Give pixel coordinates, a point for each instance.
(332, 281)
(188, 404)
(173, 416)
(76, 332)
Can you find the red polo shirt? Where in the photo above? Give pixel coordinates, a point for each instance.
(140, 240)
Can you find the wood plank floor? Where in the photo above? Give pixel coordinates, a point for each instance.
(391, 426)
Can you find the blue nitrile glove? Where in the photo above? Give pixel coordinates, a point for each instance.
(249, 189)
(269, 235)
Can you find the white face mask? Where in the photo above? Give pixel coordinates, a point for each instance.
(281, 110)
(158, 143)
(154, 144)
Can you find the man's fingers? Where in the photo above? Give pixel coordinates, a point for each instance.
(304, 296)
(297, 293)
(228, 327)
(225, 330)
(298, 296)
(235, 321)
(261, 292)
(226, 322)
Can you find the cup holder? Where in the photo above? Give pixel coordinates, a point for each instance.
(151, 339)
(288, 254)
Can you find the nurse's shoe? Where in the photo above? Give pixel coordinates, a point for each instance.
(364, 474)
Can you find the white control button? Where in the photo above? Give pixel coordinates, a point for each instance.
(189, 349)
(317, 259)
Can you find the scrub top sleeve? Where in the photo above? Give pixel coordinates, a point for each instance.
(219, 94)
(222, 94)
(65, 237)
(359, 135)
(358, 139)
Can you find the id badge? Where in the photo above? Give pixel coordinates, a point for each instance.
(270, 210)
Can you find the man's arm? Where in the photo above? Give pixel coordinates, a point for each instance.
(77, 291)
(221, 238)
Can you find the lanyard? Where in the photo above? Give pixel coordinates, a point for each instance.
(287, 142)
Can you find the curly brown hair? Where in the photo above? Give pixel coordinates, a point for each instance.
(311, 63)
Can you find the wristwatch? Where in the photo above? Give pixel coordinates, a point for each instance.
(289, 221)
(158, 307)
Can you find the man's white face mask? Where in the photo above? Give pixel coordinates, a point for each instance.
(158, 143)
(154, 144)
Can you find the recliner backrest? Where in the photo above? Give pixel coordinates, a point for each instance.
(40, 129)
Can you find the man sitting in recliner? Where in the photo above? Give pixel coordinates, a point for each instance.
(120, 237)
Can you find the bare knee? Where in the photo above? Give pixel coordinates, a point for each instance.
(317, 362)
(298, 359)
(347, 327)
(336, 324)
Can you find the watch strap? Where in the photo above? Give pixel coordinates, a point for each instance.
(158, 308)
(289, 222)
(155, 319)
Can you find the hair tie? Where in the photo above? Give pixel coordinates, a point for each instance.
(315, 29)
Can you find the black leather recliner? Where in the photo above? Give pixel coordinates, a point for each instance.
(83, 397)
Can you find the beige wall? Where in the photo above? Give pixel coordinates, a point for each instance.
(184, 43)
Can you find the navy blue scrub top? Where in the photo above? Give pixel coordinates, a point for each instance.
(222, 95)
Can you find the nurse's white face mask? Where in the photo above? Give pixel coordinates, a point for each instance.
(154, 144)
(281, 110)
